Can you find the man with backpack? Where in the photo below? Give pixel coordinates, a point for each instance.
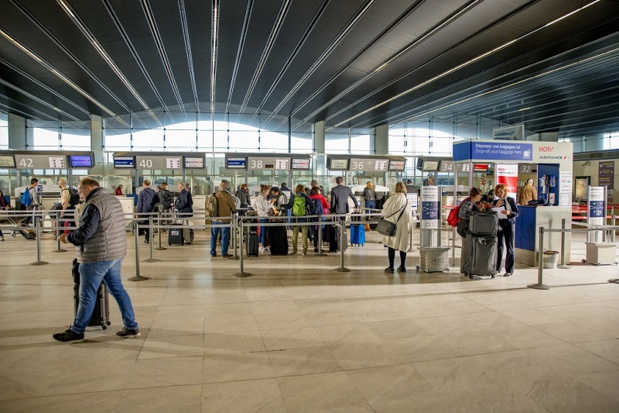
(29, 199)
(301, 204)
(147, 199)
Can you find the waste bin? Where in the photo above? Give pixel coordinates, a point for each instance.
(550, 259)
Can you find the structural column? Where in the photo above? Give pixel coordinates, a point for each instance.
(320, 167)
(380, 143)
(20, 138)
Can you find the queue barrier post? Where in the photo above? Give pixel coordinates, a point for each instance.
(343, 244)
(58, 248)
(241, 273)
(234, 233)
(563, 265)
(540, 264)
(137, 276)
(37, 230)
(150, 242)
(159, 247)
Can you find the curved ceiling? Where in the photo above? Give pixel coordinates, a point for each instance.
(352, 63)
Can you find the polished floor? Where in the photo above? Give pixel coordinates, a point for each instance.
(298, 336)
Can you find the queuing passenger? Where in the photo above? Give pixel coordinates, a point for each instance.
(398, 211)
(369, 196)
(339, 197)
(5, 206)
(243, 195)
(263, 205)
(410, 188)
(146, 204)
(68, 204)
(225, 208)
(507, 229)
(467, 206)
(165, 198)
(119, 190)
(184, 201)
(315, 194)
(33, 202)
(284, 188)
(527, 193)
(300, 202)
(102, 246)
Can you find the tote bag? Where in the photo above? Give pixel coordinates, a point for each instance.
(388, 228)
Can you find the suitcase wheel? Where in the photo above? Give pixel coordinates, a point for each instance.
(492, 276)
(583, 261)
(104, 326)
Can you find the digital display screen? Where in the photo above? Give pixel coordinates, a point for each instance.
(80, 161)
(122, 162)
(480, 167)
(430, 166)
(338, 164)
(236, 163)
(397, 165)
(7, 161)
(301, 164)
(194, 163)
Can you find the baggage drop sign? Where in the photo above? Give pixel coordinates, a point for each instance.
(430, 207)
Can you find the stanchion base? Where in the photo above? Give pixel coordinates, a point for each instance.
(234, 258)
(161, 249)
(151, 260)
(614, 280)
(342, 269)
(564, 267)
(40, 263)
(59, 250)
(138, 278)
(539, 286)
(242, 274)
(320, 254)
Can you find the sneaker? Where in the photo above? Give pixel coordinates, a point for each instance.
(304, 252)
(68, 335)
(389, 270)
(263, 250)
(125, 332)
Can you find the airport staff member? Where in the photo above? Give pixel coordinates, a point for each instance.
(102, 245)
(527, 193)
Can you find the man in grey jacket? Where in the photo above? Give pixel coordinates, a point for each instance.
(102, 245)
(339, 197)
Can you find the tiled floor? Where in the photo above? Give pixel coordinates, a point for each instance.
(299, 336)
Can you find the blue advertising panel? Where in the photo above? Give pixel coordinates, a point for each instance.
(493, 151)
(429, 210)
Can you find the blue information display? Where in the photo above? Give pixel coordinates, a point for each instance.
(236, 163)
(596, 209)
(429, 210)
(124, 162)
(493, 151)
(80, 161)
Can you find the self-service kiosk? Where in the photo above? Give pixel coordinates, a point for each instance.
(553, 164)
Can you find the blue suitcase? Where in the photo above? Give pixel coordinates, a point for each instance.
(357, 235)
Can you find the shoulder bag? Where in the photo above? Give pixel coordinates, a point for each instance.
(388, 228)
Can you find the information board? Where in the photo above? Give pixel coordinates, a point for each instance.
(158, 162)
(596, 207)
(430, 207)
(80, 161)
(300, 164)
(194, 163)
(236, 163)
(430, 166)
(338, 164)
(268, 163)
(397, 166)
(27, 161)
(369, 165)
(7, 161)
(124, 162)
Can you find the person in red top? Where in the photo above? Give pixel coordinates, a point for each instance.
(315, 194)
(119, 190)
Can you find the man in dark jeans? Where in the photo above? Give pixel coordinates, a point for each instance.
(102, 246)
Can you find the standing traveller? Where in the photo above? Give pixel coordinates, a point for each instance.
(119, 190)
(225, 208)
(398, 211)
(527, 193)
(184, 202)
(102, 245)
(507, 228)
(339, 197)
(29, 199)
(410, 188)
(262, 207)
(316, 196)
(164, 199)
(243, 195)
(147, 199)
(69, 199)
(300, 204)
(369, 197)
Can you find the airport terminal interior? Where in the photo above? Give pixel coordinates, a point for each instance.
(437, 99)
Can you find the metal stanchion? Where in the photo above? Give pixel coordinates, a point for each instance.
(241, 272)
(563, 265)
(612, 222)
(342, 268)
(540, 265)
(137, 276)
(234, 232)
(38, 235)
(150, 243)
(58, 249)
(159, 247)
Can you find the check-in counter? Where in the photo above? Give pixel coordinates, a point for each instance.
(527, 232)
(128, 207)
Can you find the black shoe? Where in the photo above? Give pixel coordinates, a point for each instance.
(68, 335)
(389, 270)
(315, 249)
(401, 269)
(125, 332)
(508, 274)
(146, 241)
(227, 255)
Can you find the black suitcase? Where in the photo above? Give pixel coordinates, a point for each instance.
(177, 235)
(334, 238)
(479, 255)
(278, 240)
(101, 312)
(252, 244)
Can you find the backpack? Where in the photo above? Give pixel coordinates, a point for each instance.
(26, 199)
(153, 200)
(212, 206)
(298, 208)
(314, 207)
(453, 218)
(74, 196)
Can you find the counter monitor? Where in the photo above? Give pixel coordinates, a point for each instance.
(7, 161)
(124, 162)
(80, 161)
(397, 166)
(338, 164)
(194, 163)
(236, 163)
(303, 164)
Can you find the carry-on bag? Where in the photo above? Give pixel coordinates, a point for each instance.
(101, 312)
(483, 223)
(26, 233)
(479, 255)
(179, 235)
(278, 240)
(252, 243)
(334, 238)
(357, 235)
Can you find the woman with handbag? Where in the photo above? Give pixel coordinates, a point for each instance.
(507, 228)
(397, 212)
(263, 207)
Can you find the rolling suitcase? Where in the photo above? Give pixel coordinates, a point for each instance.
(278, 240)
(101, 312)
(334, 238)
(479, 255)
(357, 235)
(252, 243)
(483, 223)
(177, 235)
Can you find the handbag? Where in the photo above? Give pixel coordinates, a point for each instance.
(388, 228)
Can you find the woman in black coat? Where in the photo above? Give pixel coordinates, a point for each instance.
(507, 228)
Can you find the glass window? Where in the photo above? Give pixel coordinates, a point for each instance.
(45, 134)
(337, 141)
(76, 139)
(361, 143)
(302, 142)
(148, 139)
(180, 139)
(4, 131)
